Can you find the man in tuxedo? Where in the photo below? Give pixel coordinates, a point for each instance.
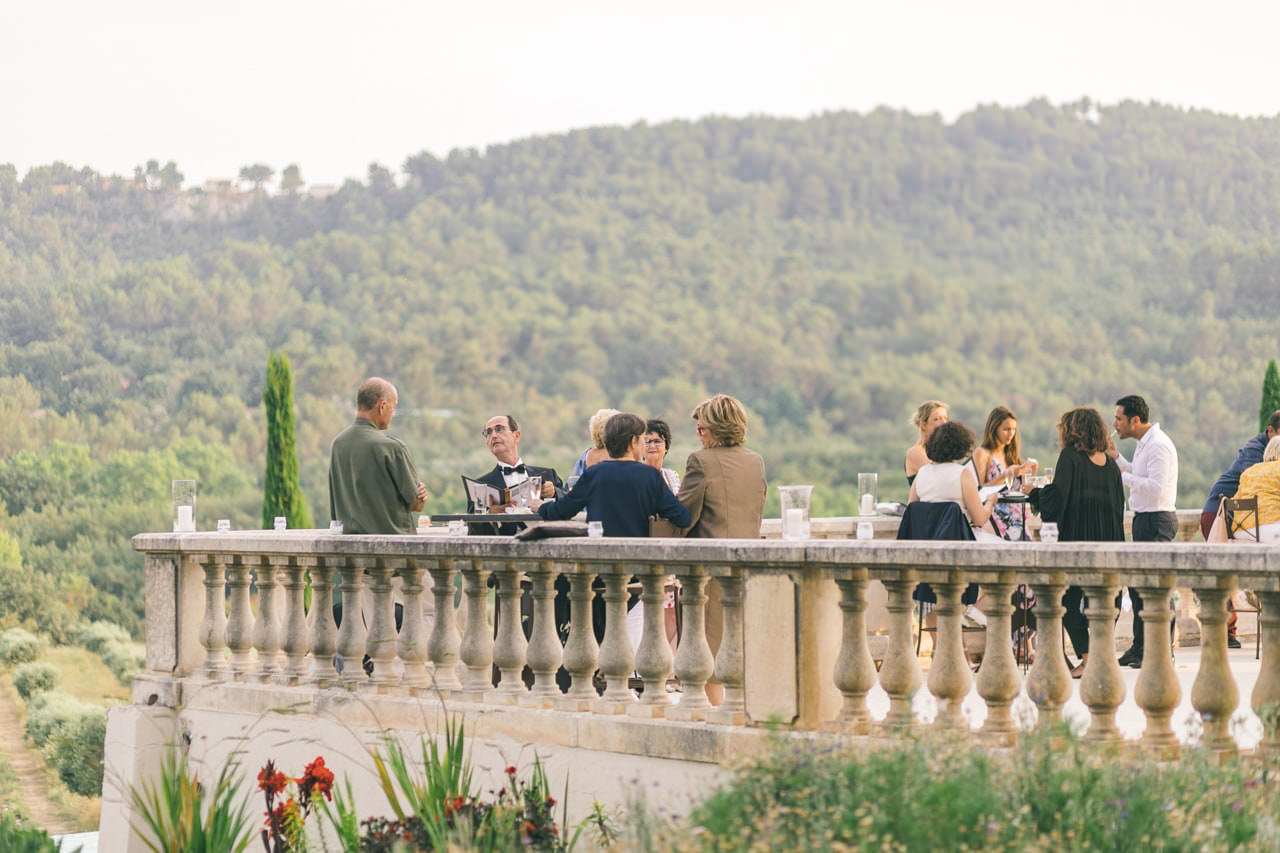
(502, 437)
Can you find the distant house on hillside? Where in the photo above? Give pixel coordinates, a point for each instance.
(219, 186)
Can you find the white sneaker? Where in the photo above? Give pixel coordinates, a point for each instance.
(975, 615)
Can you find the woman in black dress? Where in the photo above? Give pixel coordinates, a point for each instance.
(1086, 501)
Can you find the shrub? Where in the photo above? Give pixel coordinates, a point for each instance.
(17, 838)
(19, 646)
(47, 711)
(124, 660)
(1051, 792)
(75, 749)
(33, 678)
(96, 636)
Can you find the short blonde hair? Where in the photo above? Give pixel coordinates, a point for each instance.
(723, 417)
(595, 426)
(1273, 450)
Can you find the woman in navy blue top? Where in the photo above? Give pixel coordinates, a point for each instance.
(621, 492)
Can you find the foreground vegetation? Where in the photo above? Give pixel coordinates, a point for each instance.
(1049, 793)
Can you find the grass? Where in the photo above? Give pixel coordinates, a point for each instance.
(1050, 793)
(82, 674)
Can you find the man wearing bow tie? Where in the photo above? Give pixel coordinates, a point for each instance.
(502, 437)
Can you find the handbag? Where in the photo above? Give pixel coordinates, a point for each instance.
(1218, 532)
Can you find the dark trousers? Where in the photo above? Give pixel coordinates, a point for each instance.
(1148, 527)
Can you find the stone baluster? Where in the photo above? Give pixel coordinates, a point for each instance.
(477, 642)
(382, 640)
(293, 571)
(694, 663)
(949, 675)
(998, 680)
(213, 627)
(544, 651)
(1049, 681)
(266, 628)
(581, 650)
(1266, 692)
(855, 670)
(900, 671)
(510, 649)
(1101, 685)
(1213, 694)
(324, 633)
(617, 661)
(730, 659)
(654, 658)
(352, 635)
(444, 643)
(413, 633)
(240, 621)
(1157, 692)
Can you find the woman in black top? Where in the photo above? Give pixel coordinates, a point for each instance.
(1086, 501)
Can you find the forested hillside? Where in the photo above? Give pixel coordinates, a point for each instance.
(831, 272)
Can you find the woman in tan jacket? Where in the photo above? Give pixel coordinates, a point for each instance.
(724, 489)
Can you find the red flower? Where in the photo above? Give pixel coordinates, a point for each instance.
(511, 770)
(316, 779)
(271, 780)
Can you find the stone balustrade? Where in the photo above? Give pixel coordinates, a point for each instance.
(204, 630)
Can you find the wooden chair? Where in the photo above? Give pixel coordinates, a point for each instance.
(1241, 516)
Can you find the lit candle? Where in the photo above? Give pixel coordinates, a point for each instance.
(186, 521)
(868, 504)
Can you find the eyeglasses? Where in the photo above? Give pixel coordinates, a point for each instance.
(488, 431)
(654, 442)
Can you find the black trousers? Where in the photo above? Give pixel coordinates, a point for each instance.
(1148, 527)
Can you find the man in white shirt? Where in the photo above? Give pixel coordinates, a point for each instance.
(1152, 478)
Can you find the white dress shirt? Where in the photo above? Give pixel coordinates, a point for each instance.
(514, 477)
(1152, 476)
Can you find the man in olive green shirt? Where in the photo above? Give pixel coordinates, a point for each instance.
(373, 486)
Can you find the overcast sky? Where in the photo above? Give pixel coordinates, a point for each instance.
(334, 86)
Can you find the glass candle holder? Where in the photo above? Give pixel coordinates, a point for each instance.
(184, 506)
(867, 493)
(795, 511)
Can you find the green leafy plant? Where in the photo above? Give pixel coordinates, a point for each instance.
(181, 815)
(18, 646)
(16, 838)
(35, 677)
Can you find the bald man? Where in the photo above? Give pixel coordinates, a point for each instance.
(373, 485)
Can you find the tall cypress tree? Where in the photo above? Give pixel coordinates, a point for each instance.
(282, 493)
(1270, 395)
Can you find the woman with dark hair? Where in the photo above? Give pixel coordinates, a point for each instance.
(1086, 501)
(947, 478)
(998, 458)
(657, 441)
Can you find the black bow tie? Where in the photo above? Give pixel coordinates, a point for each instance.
(508, 470)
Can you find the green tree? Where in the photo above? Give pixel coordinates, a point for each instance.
(1270, 394)
(257, 174)
(282, 492)
(290, 179)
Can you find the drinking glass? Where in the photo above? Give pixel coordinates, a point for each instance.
(224, 525)
(570, 482)
(1049, 532)
(866, 530)
(281, 523)
(458, 527)
(595, 529)
(335, 528)
(1048, 474)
